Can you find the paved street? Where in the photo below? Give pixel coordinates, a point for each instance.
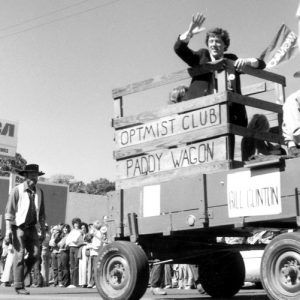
(51, 293)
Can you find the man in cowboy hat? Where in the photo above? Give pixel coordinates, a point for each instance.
(24, 210)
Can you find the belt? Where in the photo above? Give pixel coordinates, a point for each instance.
(26, 226)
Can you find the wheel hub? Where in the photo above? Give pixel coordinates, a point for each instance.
(287, 271)
(291, 272)
(117, 274)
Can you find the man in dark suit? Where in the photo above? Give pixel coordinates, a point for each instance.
(217, 42)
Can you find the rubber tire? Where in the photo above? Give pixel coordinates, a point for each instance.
(136, 276)
(222, 274)
(281, 249)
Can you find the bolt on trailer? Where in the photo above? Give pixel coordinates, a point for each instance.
(182, 189)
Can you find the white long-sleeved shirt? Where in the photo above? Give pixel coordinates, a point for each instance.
(96, 243)
(291, 119)
(74, 238)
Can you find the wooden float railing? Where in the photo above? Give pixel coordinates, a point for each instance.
(190, 137)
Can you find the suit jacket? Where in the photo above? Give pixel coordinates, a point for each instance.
(202, 85)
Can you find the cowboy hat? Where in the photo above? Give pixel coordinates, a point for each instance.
(31, 168)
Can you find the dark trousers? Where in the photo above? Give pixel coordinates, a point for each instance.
(74, 266)
(168, 274)
(157, 276)
(63, 263)
(55, 268)
(24, 239)
(37, 276)
(93, 261)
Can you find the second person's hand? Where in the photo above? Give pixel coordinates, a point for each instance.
(196, 24)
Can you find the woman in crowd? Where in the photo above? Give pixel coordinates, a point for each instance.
(63, 258)
(55, 238)
(83, 259)
(74, 241)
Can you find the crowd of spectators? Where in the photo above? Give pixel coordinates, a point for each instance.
(67, 256)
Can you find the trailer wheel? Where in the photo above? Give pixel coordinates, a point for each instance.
(121, 271)
(280, 267)
(222, 274)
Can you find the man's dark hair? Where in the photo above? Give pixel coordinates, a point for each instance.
(218, 32)
(76, 220)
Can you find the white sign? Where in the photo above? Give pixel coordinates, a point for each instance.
(253, 193)
(8, 137)
(151, 200)
(169, 126)
(200, 153)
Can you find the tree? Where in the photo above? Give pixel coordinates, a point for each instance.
(8, 164)
(61, 179)
(77, 187)
(100, 186)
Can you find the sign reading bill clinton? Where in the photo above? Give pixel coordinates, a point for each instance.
(8, 138)
(253, 194)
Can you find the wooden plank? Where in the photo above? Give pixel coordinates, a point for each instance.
(197, 135)
(161, 80)
(150, 83)
(209, 151)
(265, 136)
(171, 109)
(187, 73)
(254, 102)
(118, 107)
(154, 224)
(173, 174)
(271, 116)
(171, 141)
(280, 94)
(169, 126)
(265, 75)
(246, 70)
(255, 88)
(191, 105)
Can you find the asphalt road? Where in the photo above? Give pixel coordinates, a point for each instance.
(52, 293)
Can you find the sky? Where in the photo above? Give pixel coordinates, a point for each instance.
(60, 60)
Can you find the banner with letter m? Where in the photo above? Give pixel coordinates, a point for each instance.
(282, 48)
(8, 138)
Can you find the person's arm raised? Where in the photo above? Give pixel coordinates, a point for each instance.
(194, 28)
